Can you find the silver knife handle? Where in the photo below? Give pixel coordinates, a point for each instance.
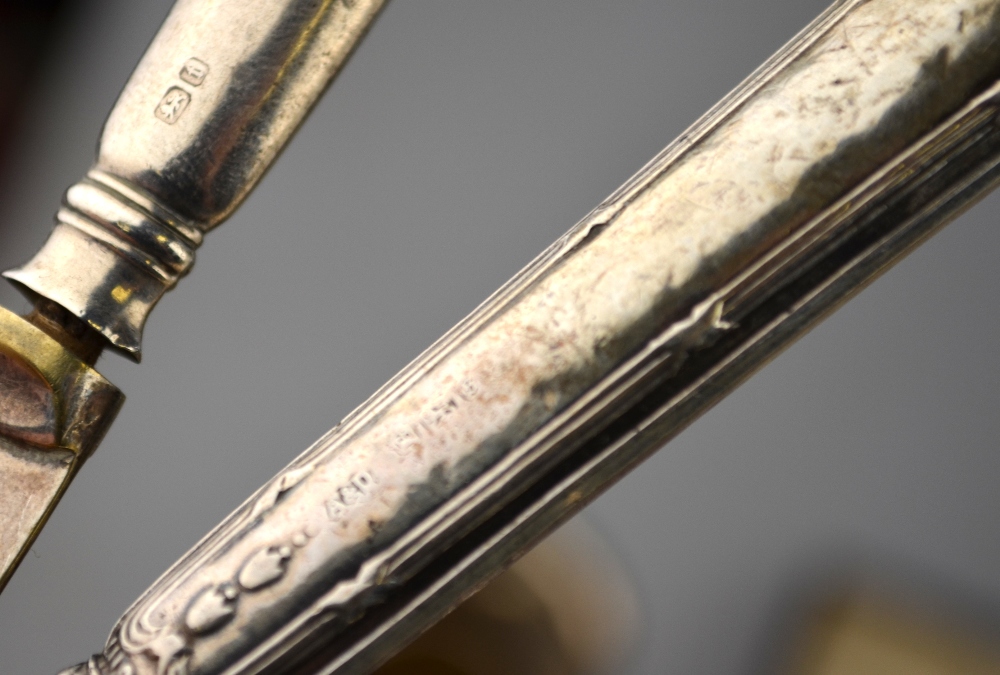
(217, 95)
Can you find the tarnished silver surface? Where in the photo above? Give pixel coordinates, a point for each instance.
(873, 127)
(215, 98)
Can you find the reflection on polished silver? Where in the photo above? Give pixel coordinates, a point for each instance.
(873, 127)
(215, 98)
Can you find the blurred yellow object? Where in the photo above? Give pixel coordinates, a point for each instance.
(866, 636)
(565, 608)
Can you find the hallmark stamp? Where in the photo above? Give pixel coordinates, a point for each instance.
(194, 72)
(433, 420)
(356, 491)
(172, 105)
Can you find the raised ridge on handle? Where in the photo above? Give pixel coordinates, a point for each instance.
(113, 254)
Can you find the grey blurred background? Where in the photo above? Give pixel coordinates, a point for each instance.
(464, 137)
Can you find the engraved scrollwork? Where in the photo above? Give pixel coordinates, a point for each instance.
(160, 636)
(171, 654)
(113, 661)
(159, 629)
(118, 661)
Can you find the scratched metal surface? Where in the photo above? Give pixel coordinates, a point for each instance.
(714, 528)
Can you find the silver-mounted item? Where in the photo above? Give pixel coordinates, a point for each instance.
(213, 101)
(871, 129)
